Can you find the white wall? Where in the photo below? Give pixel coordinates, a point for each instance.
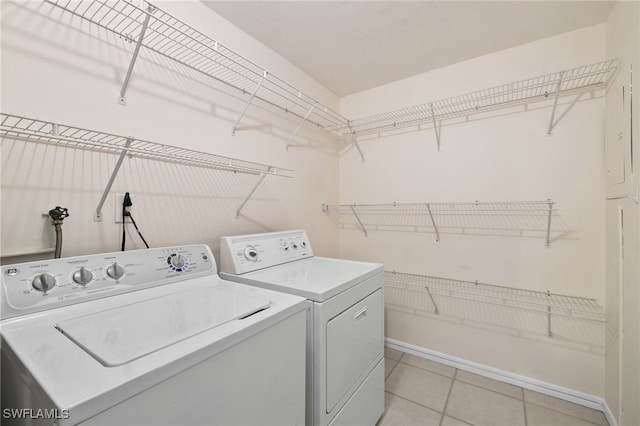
(503, 158)
(59, 68)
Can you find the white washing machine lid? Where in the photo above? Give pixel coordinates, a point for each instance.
(316, 278)
(120, 335)
(75, 380)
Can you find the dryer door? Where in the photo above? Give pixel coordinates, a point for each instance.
(355, 342)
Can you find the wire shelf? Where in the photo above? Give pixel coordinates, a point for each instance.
(174, 39)
(505, 216)
(510, 307)
(562, 83)
(34, 130)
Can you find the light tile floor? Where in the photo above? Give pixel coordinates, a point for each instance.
(423, 392)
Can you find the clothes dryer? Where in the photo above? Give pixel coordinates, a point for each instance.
(345, 319)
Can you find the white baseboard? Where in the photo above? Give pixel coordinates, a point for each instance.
(545, 388)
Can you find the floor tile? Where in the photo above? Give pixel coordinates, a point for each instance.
(400, 412)
(450, 421)
(490, 384)
(389, 365)
(420, 386)
(482, 407)
(392, 353)
(566, 407)
(427, 364)
(541, 416)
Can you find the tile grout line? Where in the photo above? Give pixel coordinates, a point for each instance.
(446, 402)
(524, 408)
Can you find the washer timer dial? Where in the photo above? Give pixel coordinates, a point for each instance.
(251, 253)
(177, 262)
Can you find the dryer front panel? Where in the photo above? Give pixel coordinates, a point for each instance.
(355, 341)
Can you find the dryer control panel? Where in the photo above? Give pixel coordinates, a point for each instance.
(246, 253)
(47, 284)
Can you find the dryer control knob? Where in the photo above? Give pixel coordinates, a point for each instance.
(43, 282)
(115, 271)
(250, 253)
(178, 261)
(82, 276)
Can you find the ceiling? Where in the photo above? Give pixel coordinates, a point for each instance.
(350, 46)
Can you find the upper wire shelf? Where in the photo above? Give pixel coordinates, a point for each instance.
(168, 36)
(34, 130)
(535, 217)
(507, 306)
(46, 132)
(572, 81)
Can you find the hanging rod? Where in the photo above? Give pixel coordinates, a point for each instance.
(176, 40)
(426, 293)
(518, 216)
(39, 131)
(573, 81)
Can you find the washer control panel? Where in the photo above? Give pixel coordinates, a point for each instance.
(47, 284)
(246, 253)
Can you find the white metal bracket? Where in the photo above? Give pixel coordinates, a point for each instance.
(354, 141)
(295, 132)
(548, 244)
(555, 103)
(97, 216)
(435, 126)
(353, 210)
(253, 190)
(121, 99)
(433, 222)
(244, 111)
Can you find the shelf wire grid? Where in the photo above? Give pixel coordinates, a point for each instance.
(576, 80)
(34, 130)
(174, 39)
(517, 216)
(569, 318)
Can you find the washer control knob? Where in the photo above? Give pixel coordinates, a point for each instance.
(250, 253)
(43, 282)
(178, 261)
(115, 271)
(82, 276)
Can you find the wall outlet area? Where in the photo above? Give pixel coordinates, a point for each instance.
(119, 199)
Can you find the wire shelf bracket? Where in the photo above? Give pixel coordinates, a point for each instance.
(97, 216)
(295, 132)
(121, 99)
(364, 230)
(354, 141)
(44, 132)
(555, 103)
(253, 190)
(246, 107)
(435, 126)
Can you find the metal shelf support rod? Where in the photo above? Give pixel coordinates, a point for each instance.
(97, 216)
(549, 333)
(255, 187)
(355, 141)
(246, 107)
(433, 222)
(548, 243)
(435, 126)
(555, 103)
(437, 311)
(295, 132)
(353, 209)
(122, 100)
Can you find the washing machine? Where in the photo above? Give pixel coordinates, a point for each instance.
(147, 337)
(345, 319)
